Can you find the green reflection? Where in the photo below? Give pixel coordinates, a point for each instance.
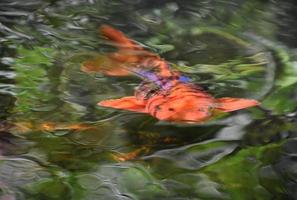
(229, 47)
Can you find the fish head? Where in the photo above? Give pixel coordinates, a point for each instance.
(186, 109)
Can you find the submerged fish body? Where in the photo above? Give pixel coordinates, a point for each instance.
(164, 93)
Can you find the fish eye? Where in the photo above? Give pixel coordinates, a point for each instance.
(158, 107)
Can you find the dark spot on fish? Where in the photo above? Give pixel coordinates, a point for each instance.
(172, 78)
(171, 109)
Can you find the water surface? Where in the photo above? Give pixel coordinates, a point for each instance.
(56, 143)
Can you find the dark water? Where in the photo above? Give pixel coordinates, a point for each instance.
(55, 143)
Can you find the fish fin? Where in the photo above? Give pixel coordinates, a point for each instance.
(228, 104)
(126, 103)
(105, 65)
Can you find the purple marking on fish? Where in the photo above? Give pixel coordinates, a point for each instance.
(184, 79)
(167, 86)
(150, 76)
(153, 77)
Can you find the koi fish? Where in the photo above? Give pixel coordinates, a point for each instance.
(164, 93)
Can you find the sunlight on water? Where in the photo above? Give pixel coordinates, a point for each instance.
(56, 143)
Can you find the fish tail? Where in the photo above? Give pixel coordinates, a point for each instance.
(228, 104)
(120, 39)
(119, 63)
(129, 59)
(128, 50)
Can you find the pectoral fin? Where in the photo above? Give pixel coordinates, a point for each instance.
(125, 103)
(228, 104)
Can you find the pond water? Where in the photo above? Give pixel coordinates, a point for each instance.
(56, 143)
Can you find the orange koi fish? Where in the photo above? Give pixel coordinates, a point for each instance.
(164, 93)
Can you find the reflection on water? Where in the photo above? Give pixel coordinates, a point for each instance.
(56, 143)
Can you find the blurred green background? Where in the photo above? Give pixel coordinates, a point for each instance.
(231, 48)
